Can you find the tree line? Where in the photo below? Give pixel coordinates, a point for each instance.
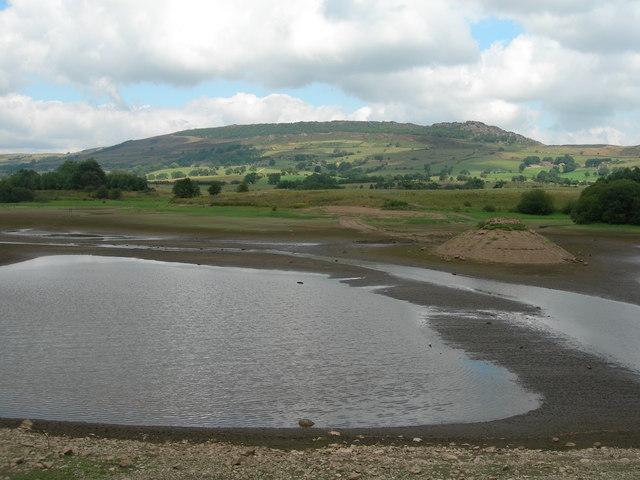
(86, 176)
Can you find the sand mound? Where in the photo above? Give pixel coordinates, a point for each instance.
(502, 240)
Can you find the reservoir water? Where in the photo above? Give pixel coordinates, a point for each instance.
(127, 341)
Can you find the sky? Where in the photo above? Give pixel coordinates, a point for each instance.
(77, 74)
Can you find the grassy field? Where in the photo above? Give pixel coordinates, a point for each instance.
(273, 211)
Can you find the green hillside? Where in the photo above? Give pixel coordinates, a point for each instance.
(381, 153)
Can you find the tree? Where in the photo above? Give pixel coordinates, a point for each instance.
(273, 178)
(474, 183)
(614, 199)
(126, 181)
(251, 177)
(28, 179)
(214, 189)
(88, 175)
(185, 188)
(243, 187)
(11, 194)
(536, 202)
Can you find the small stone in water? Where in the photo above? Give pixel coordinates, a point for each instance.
(305, 422)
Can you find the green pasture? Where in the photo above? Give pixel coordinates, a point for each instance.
(277, 212)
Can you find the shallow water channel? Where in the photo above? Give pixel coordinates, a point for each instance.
(127, 341)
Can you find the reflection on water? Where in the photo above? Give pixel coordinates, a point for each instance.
(141, 342)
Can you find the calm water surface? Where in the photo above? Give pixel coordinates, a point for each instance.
(606, 327)
(131, 341)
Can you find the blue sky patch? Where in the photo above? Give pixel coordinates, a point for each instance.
(493, 29)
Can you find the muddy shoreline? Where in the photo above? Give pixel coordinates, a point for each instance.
(585, 398)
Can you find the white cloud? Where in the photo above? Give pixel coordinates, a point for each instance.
(67, 127)
(286, 43)
(575, 67)
(584, 25)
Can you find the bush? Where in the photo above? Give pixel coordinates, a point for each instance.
(489, 208)
(101, 192)
(509, 225)
(616, 202)
(536, 202)
(395, 205)
(11, 194)
(186, 188)
(214, 189)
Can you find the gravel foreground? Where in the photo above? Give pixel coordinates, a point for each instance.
(25, 454)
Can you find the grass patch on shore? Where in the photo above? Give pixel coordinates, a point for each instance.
(280, 210)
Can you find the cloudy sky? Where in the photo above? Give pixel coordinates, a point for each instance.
(77, 74)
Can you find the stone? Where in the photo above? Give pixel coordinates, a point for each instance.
(555, 439)
(570, 444)
(126, 463)
(415, 469)
(417, 439)
(248, 452)
(334, 433)
(234, 461)
(354, 476)
(26, 424)
(306, 423)
(67, 451)
(597, 445)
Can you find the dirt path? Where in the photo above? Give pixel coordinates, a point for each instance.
(355, 223)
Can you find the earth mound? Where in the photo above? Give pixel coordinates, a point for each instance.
(504, 240)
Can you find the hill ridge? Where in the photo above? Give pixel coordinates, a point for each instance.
(469, 130)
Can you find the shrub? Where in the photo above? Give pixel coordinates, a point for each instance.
(101, 192)
(214, 189)
(617, 202)
(395, 204)
(489, 208)
(186, 188)
(11, 194)
(508, 225)
(536, 202)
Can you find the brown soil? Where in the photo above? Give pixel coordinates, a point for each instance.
(495, 245)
